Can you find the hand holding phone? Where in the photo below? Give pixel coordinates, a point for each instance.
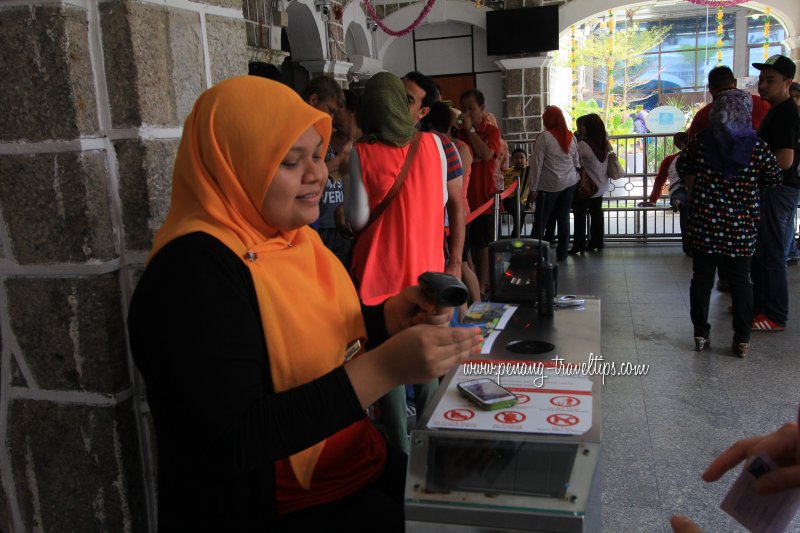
(487, 394)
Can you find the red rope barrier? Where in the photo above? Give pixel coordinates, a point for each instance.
(485, 207)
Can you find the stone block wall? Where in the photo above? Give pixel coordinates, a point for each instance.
(525, 88)
(94, 95)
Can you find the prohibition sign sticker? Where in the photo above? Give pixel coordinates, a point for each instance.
(510, 417)
(563, 420)
(565, 401)
(459, 415)
(523, 398)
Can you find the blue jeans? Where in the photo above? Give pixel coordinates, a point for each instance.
(770, 287)
(679, 195)
(554, 205)
(791, 242)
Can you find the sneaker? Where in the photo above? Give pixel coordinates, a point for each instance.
(740, 349)
(762, 322)
(702, 343)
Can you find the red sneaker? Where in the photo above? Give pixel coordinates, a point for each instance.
(762, 322)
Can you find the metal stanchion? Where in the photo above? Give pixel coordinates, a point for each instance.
(496, 211)
(517, 207)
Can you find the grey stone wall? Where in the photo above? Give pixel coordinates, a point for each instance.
(526, 97)
(94, 95)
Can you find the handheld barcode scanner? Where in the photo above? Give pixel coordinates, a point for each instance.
(444, 289)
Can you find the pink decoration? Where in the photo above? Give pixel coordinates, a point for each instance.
(414, 25)
(718, 3)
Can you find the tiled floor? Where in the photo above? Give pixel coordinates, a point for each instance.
(661, 430)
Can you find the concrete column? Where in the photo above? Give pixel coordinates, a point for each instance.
(740, 64)
(525, 86)
(94, 97)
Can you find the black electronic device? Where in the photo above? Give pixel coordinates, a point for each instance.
(513, 274)
(521, 31)
(444, 289)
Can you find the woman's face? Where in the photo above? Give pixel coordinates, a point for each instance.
(292, 200)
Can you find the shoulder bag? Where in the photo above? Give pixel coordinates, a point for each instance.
(587, 188)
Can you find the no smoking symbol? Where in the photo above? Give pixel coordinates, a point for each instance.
(509, 417)
(459, 415)
(565, 401)
(563, 420)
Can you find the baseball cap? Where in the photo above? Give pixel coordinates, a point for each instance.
(782, 64)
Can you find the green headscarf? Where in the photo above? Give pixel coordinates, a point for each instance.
(383, 111)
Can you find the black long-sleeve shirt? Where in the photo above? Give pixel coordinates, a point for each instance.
(196, 337)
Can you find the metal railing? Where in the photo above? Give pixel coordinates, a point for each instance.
(640, 157)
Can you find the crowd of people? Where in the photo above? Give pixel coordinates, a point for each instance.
(280, 302)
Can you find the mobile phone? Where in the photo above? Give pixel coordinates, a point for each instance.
(487, 394)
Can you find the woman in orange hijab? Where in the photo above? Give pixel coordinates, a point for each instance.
(553, 177)
(243, 325)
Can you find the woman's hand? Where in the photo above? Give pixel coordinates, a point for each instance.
(412, 307)
(782, 446)
(415, 355)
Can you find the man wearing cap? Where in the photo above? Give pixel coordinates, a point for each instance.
(780, 129)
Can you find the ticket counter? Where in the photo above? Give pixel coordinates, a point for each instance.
(530, 467)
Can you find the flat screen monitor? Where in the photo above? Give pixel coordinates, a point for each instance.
(522, 31)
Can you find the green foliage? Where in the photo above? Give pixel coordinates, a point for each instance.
(630, 72)
(619, 119)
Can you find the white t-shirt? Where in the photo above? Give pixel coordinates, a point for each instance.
(597, 170)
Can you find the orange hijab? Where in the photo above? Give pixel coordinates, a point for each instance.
(553, 120)
(233, 142)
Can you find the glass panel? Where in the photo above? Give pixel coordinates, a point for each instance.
(677, 69)
(710, 37)
(755, 30)
(757, 56)
(705, 64)
(681, 35)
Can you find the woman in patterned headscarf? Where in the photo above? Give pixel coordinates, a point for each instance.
(242, 325)
(725, 167)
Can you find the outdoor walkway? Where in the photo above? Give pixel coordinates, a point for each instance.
(660, 431)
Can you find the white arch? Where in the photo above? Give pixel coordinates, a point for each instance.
(443, 11)
(306, 32)
(355, 20)
(786, 11)
(356, 41)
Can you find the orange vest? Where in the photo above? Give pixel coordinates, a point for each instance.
(407, 239)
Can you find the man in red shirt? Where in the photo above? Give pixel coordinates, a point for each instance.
(484, 140)
(721, 79)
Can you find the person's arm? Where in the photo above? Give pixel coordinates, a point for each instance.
(197, 336)
(482, 150)
(535, 166)
(661, 179)
(356, 202)
(785, 157)
(782, 446)
(771, 174)
(455, 215)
